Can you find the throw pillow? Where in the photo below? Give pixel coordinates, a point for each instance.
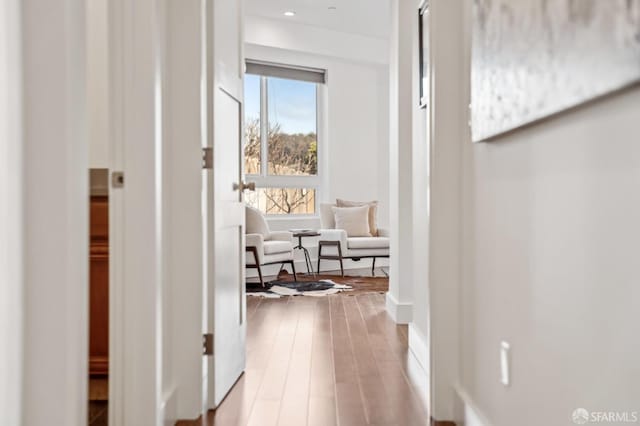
(373, 212)
(354, 220)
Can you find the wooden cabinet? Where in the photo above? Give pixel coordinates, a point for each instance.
(99, 286)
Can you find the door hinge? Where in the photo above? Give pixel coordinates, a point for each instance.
(207, 158)
(207, 344)
(117, 179)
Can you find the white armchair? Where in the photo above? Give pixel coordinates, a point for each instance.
(334, 243)
(264, 247)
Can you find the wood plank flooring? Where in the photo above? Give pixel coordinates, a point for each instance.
(98, 411)
(326, 361)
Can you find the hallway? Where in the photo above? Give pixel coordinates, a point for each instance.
(323, 361)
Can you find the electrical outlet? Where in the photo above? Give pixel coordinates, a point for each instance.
(505, 359)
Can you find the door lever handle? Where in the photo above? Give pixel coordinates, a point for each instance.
(243, 186)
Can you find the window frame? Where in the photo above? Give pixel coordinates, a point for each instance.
(264, 180)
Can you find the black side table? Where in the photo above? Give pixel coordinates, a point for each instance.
(307, 257)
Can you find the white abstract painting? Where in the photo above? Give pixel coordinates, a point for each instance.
(534, 58)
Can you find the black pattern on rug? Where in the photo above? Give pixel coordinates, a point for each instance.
(275, 289)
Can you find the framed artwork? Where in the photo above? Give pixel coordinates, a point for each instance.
(423, 29)
(535, 58)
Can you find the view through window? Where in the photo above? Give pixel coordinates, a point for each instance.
(281, 144)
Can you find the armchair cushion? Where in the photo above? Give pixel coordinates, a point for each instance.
(281, 236)
(275, 246)
(268, 251)
(367, 243)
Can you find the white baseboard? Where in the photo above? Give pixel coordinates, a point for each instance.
(419, 346)
(467, 412)
(169, 408)
(470, 414)
(418, 363)
(401, 313)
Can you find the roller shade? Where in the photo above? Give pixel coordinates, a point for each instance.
(268, 69)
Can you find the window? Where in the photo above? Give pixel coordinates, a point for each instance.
(281, 138)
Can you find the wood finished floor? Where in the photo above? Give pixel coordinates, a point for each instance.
(98, 411)
(336, 360)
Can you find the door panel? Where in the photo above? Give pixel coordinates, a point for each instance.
(228, 39)
(229, 335)
(225, 246)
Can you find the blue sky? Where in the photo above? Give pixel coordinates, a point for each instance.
(292, 103)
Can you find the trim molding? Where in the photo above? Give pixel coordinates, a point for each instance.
(196, 422)
(419, 346)
(417, 364)
(472, 415)
(98, 365)
(169, 407)
(441, 422)
(99, 182)
(401, 313)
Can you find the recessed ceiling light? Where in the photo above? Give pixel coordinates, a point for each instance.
(289, 13)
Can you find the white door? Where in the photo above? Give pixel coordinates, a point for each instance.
(225, 246)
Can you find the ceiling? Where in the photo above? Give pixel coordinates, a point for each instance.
(364, 17)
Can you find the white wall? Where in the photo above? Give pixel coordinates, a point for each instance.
(436, 307)
(418, 239)
(356, 99)
(399, 298)
(318, 41)
(421, 158)
(183, 183)
(11, 214)
(551, 266)
(157, 59)
(136, 381)
(179, 334)
(549, 242)
(54, 188)
(97, 82)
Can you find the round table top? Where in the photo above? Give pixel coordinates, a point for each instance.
(305, 233)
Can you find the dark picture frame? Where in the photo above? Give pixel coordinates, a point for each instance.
(423, 37)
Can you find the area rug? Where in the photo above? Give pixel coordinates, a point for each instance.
(276, 289)
(359, 283)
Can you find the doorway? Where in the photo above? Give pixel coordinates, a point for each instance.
(98, 297)
(337, 358)
(167, 306)
(98, 138)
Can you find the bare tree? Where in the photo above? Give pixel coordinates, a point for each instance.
(252, 146)
(287, 200)
(289, 154)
